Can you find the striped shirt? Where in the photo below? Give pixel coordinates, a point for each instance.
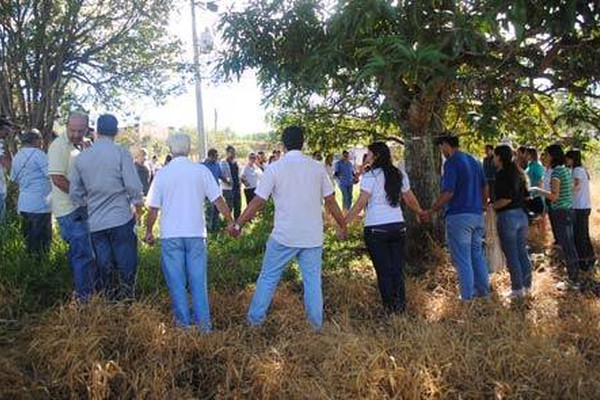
(565, 198)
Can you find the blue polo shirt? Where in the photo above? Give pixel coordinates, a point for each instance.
(214, 168)
(463, 176)
(344, 172)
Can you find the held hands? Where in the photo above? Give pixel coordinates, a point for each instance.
(342, 231)
(424, 216)
(149, 239)
(234, 230)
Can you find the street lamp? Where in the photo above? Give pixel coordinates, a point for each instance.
(207, 42)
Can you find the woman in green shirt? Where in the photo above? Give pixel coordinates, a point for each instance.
(561, 210)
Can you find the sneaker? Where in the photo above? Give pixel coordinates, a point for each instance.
(568, 285)
(514, 294)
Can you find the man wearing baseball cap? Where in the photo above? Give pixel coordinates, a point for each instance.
(105, 179)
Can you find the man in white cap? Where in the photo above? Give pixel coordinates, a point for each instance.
(179, 191)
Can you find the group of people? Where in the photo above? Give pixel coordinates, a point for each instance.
(236, 180)
(557, 188)
(98, 199)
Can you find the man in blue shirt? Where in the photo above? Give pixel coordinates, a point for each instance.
(344, 172)
(464, 194)
(212, 214)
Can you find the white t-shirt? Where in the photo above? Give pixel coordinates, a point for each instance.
(581, 198)
(379, 211)
(546, 179)
(298, 185)
(179, 190)
(251, 175)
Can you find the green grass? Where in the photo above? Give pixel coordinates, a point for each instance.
(38, 283)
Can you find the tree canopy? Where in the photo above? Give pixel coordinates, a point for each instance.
(401, 64)
(57, 51)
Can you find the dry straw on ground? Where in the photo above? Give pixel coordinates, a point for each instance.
(546, 347)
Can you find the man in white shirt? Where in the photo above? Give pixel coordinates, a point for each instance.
(179, 190)
(298, 185)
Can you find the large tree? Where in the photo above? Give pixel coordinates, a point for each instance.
(52, 51)
(402, 62)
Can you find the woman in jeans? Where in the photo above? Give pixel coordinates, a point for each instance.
(511, 191)
(582, 206)
(381, 190)
(561, 212)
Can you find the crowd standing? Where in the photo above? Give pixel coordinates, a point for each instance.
(97, 192)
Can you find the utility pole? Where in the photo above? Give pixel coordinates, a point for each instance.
(202, 142)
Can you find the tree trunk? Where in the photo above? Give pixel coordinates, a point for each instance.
(422, 123)
(423, 163)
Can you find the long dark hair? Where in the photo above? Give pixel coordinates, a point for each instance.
(505, 154)
(574, 155)
(557, 155)
(393, 177)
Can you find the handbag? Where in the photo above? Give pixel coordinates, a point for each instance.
(493, 249)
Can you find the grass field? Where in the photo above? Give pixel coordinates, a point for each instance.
(547, 347)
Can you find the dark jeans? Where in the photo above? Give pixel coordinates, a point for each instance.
(346, 196)
(212, 217)
(234, 201)
(562, 220)
(512, 229)
(116, 249)
(385, 244)
(75, 231)
(249, 193)
(37, 230)
(583, 243)
(548, 204)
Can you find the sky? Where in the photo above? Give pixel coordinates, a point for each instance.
(237, 104)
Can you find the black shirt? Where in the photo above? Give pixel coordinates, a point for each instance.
(235, 175)
(510, 185)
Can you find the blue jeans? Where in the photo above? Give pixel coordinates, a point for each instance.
(346, 196)
(465, 239)
(75, 231)
(277, 257)
(183, 264)
(116, 248)
(512, 229)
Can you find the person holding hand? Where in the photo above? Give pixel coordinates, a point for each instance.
(178, 191)
(298, 185)
(464, 195)
(382, 188)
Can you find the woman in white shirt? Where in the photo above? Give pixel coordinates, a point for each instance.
(582, 205)
(381, 190)
(250, 177)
